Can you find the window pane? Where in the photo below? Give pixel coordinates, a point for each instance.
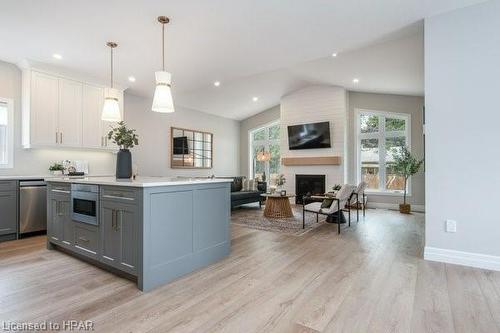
(395, 124)
(274, 162)
(259, 166)
(369, 123)
(393, 182)
(274, 132)
(260, 134)
(370, 162)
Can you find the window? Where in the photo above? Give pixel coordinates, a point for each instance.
(265, 141)
(6, 133)
(379, 135)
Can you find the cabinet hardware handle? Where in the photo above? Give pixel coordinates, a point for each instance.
(117, 197)
(61, 191)
(60, 134)
(4, 229)
(83, 239)
(119, 222)
(113, 219)
(106, 141)
(57, 140)
(102, 141)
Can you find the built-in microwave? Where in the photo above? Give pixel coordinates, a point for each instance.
(85, 203)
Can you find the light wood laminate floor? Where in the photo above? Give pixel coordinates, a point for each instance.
(370, 278)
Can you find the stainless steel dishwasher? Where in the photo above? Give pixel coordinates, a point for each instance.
(32, 206)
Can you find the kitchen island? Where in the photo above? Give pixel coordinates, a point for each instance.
(151, 229)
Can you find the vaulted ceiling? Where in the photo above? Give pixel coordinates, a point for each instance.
(255, 48)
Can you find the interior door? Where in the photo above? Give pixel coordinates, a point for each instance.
(44, 109)
(70, 113)
(93, 101)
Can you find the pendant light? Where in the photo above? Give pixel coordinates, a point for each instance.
(162, 100)
(111, 108)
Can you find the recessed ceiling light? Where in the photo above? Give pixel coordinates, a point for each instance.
(217, 83)
(131, 78)
(255, 99)
(57, 56)
(334, 54)
(355, 80)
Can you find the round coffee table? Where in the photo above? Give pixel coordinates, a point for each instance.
(278, 206)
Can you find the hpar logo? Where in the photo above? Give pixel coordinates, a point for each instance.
(78, 325)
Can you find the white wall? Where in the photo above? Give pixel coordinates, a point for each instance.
(462, 73)
(309, 105)
(37, 161)
(152, 156)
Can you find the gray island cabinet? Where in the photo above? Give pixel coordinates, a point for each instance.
(152, 230)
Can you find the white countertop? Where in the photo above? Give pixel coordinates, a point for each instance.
(28, 177)
(139, 181)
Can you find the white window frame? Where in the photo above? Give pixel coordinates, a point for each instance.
(266, 143)
(381, 136)
(10, 133)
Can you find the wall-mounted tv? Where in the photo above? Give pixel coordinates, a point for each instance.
(181, 146)
(309, 136)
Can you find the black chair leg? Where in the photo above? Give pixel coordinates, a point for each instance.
(317, 217)
(349, 216)
(303, 218)
(364, 205)
(338, 221)
(357, 208)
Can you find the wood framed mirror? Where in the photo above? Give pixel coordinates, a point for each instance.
(191, 149)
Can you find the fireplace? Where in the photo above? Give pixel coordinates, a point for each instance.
(308, 185)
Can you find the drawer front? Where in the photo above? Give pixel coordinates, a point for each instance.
(86, 240)
(59, 189)
(8, 185)
(118, 194)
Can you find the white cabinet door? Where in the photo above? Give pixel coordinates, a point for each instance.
(44, 109)
(93, 100)
(70, 113)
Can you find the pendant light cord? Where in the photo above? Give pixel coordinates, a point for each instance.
(163, 46)
(111, 68)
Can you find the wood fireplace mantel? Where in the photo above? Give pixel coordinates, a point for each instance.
(319, 160)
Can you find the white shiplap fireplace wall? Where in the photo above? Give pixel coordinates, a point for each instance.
(310, 105)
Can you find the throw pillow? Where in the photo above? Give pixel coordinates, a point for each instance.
(326, 203)
(236, 185)
(252, 185)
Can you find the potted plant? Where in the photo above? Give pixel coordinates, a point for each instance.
(56, 169)
(280, 181)
(124, 138)
(405, 165)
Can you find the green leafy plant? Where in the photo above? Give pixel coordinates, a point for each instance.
(56, 167)
(125, 138)
(337, 187)
(280, 180)
(405, 165)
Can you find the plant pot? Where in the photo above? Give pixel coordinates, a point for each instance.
(405, 208)
(57, 172)
(123, 164)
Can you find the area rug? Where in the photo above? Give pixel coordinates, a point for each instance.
(253, 217)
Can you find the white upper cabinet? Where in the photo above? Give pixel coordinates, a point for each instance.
(93, 100)
(62, 112)
(70, 113)
(44, 109)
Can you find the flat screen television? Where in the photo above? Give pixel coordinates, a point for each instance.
(181, 145)
(309, 136)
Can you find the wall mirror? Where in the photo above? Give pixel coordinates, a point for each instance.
(191, 149)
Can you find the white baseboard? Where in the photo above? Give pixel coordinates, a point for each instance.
(415, 208)
(462, 258)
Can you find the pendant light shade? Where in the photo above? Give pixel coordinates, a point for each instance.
(111, 108)
(162, 99)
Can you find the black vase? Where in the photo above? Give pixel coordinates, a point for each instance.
(124, 164)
